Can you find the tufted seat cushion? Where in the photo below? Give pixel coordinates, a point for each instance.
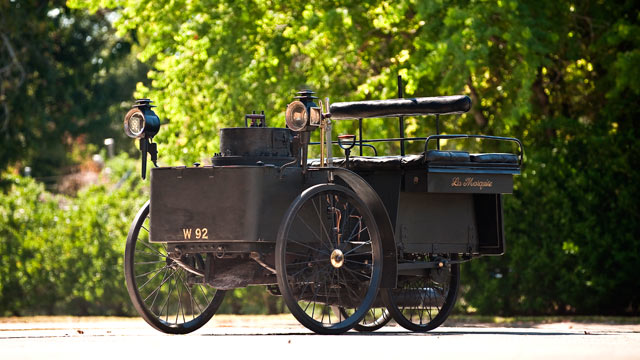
(370, 163)
(447, 156)
(437, 157)
(501, 158)
(364, 163)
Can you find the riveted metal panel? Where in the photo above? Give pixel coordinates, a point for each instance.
(229, 203)
(437, 223)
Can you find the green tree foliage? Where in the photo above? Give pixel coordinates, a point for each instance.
(252, 300)
(560, 75)
(63, 76)
(64, 255)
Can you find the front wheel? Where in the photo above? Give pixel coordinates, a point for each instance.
(169, 297)
(328, 253)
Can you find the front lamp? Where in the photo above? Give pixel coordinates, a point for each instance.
(141, 122)
(303, 114)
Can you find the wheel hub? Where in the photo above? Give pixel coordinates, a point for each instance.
(337, 258)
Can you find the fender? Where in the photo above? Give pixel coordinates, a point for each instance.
(373, 201)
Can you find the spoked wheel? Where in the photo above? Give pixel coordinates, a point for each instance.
(422, 303)
(170, 295)
(374, 319)
(328, 253)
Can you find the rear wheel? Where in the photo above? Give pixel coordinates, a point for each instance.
(328, 253)
(169, 294)
(422, 303)
(374, 319)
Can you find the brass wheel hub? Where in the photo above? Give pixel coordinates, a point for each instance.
(337, 258)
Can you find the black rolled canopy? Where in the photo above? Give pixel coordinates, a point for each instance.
(400, 107)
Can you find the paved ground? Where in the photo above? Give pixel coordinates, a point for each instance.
(243, 337)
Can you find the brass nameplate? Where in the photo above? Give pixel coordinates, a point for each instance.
(471, 183)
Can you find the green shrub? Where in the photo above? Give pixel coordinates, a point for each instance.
(572, 234)
(64, 255)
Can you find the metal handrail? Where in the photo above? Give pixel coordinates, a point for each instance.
(375, 151)
(487, 137)
(438, 137)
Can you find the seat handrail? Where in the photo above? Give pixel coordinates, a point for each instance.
(334, 142)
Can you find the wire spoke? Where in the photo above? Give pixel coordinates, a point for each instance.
(355, 297)
(205, 295)
(353, 232)
(310, 229)
(192, 301)
(297, 254)
(153, 277)
(149, 262)
(168, 297)
(359, 232)
(358, 247)
(357, 273)
(308, 247)
(321, 222)
(336, 288)
(145, 253)
(180, 306)
(152, 271)
(294, 275)
(152, 249)
(357, 262)
(308, 262)
(157, 292)
(164, 280)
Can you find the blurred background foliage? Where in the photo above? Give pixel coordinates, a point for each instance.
(560, 75)
(62, 254)
(63, 76)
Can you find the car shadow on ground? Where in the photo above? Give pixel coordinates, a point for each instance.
(434, 333)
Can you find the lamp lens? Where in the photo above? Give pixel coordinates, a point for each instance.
(136, 123)
(296, 116)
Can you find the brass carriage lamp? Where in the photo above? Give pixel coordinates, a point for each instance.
(303, 116)
(142, 123)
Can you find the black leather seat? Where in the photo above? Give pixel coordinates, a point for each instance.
(447, 156)
(497, 158)
(435, 157)
(378, 163)
(367, 163)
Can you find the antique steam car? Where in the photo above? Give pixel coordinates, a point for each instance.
(348, 241)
